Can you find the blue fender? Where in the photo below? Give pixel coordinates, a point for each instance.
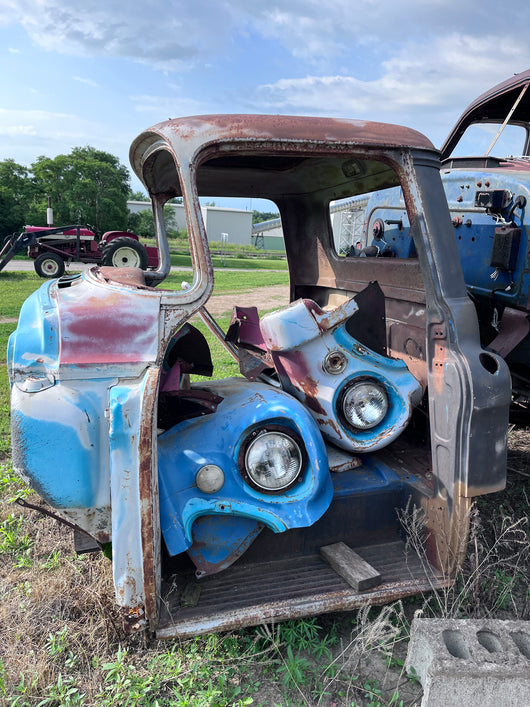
(217, 439)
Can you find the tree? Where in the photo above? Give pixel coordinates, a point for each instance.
(86, 186)
(16, 192)
(142, 223)
(260, 216)
(137, 196)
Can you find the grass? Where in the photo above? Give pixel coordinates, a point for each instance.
(232, 262)
(63, 643)
(15, 287)
(227, 282)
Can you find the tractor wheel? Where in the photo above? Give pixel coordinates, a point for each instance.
(49, 265)
(125, 253)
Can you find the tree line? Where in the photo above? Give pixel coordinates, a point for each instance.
(87, 186)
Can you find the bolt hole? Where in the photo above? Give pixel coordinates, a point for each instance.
(455, 644)
(489, 641)
(489, 363)
(522, 641)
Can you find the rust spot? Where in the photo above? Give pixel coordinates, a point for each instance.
(132, 619)
(310, 388)
(263, 128)
(147, 478)
(332, 424)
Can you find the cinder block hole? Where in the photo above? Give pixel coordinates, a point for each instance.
(522, 641)
(489, 641)
(455, 644)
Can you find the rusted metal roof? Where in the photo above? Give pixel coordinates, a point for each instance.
(202, 130)
(243, 155)
(492, 106)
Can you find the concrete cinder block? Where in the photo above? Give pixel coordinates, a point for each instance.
(471, 662)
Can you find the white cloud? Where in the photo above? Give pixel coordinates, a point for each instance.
(177, 33)
(87, 82)
(422, 79)
(12, 50)
(165, 107)
(167, 35)
(17, 130)
(30, 133)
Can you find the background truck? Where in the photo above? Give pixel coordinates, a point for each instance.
(365, 407)
(52, 248)
(485, 171)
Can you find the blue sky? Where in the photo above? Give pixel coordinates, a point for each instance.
(98, 73)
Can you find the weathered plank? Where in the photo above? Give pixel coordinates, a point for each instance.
(350, 566)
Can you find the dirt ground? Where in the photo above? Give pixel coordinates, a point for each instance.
(262, 297)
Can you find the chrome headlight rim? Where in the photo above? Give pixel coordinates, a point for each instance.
(376, 383)
(249, 440)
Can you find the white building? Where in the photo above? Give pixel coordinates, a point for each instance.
(237, 223)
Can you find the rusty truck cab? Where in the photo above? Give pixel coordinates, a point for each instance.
(367, 397)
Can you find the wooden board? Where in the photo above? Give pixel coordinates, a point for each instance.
(350, 566)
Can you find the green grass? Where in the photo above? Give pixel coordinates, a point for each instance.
(4, 413)
(230, 282)
(15, 287)
(229, 262)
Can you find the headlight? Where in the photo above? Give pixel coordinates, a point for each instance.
(272, 459)
(363, 404)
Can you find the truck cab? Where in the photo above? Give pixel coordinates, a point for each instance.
(365, 404)
(485, 170)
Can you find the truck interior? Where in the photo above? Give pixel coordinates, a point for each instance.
(282, 574)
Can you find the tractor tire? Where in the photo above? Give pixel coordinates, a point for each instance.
(125, 253)
(49, 265)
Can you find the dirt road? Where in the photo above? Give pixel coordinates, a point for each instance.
(264, 298)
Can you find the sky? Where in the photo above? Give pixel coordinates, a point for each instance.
(98, 73)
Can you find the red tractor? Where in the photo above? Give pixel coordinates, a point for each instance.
(54, 247)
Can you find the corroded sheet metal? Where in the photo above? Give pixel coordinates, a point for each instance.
(89, 338)
(297, 130)
(292, 588)
(343, 600)
(148, 496)
(317, 359)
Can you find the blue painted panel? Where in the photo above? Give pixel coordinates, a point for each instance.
(56, 440)
(35, 342)
(237, 533)
(216, 439)
(474, 237)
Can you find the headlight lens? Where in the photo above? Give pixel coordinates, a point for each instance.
(273, 460)
(364, 404)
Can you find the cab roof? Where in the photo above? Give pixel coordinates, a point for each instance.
(493, 106)
(258, 144)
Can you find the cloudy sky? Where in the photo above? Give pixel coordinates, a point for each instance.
(98, 73)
